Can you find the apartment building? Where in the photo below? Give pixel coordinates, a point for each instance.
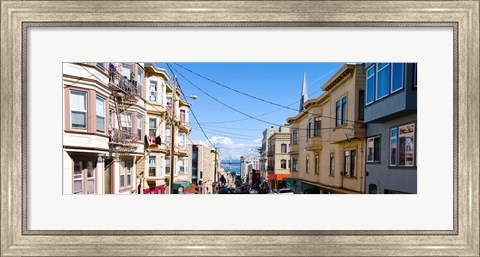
(182, 178)
(248, 164)
(264, 150)
(277, 158)
(156, 160)
(391, 128)
(328, 136)
(103, 127)
(202, 165)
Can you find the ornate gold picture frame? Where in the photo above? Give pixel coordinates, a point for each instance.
(17, 16)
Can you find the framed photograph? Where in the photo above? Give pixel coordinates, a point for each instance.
(68, 66)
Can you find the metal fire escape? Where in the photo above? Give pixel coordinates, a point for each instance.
(123, 92)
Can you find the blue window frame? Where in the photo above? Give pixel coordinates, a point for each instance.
(384, 79)
(370, 84)
(398, 78)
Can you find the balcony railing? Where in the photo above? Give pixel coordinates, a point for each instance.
(128, 86)
(122, 137)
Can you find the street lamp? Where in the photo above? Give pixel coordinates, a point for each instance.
(172, 125)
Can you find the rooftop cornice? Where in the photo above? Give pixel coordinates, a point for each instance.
(345, 72)
(152, 69)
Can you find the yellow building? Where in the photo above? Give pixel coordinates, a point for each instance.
(328, 137)
(278, 158)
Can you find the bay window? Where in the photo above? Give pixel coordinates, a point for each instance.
(78, 108)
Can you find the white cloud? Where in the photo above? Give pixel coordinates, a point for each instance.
(229, 149)
(258, 140)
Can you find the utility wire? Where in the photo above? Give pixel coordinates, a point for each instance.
(224, 104)
(194, 116)
(246, 94)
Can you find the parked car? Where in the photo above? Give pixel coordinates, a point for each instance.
(285, 191)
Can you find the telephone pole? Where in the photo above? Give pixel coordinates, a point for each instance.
(172, 127)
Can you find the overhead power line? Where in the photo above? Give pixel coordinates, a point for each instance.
(245, 94)
(191, 111)
(222, 103)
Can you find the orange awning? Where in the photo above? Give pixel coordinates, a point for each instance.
(278, 177)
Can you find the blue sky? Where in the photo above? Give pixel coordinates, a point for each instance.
(232, 132)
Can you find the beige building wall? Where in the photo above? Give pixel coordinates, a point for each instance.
(332, 141)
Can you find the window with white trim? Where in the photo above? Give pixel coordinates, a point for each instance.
(384, 79)
(152, 166)
(153, 92)
(152, 127)
(78, 109)
(181, 166)
(139, 127)
(126, 120)
(373, 149)
(125, 174)
(406, 145)
(139, 83)
(100, 114)
(167, 165)
(168, 134)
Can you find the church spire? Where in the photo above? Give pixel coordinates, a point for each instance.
(304, 96)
